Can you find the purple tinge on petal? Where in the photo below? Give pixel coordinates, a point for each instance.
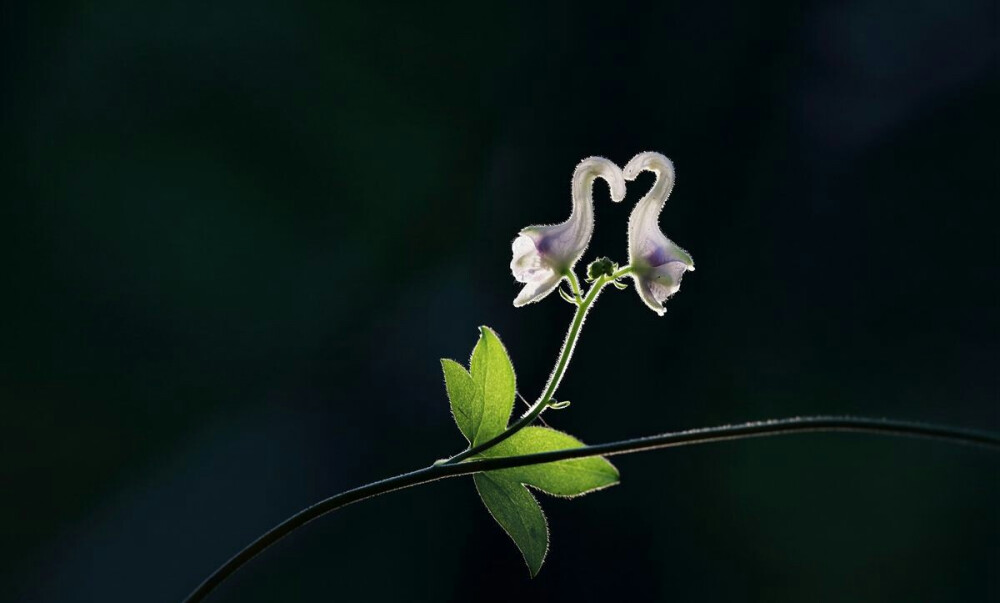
(557, 246)
(661, 278)
(561, 242)
(663, 254)
(544, 243)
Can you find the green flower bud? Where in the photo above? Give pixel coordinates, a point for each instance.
(600, 267)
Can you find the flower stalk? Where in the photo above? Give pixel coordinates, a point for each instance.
(569, 344)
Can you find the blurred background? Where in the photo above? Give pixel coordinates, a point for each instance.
(237, 238)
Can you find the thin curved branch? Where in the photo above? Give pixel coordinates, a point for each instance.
(666, 440)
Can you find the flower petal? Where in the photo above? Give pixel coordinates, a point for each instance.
(526, 259)
(543, 254)
(644, 288)
(644, 235)
(666, 251)
(658, 263)
(536, 289)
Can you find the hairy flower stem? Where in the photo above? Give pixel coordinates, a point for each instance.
(708, 435)
(574, 285)
(557, 374)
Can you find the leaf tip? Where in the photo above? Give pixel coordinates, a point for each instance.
(486, 332)
(533, 570)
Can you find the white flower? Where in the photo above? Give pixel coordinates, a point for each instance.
(658, 263)
(544, 255)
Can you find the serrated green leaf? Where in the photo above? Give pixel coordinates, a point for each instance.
(462, 392)
(561, 478)
(518, 513)
(493, 374)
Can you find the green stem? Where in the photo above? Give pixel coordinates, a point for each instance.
(667, 440)
(624, 271)
(550, 389)
(574, 284)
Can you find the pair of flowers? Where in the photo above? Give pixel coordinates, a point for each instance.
(545, 255)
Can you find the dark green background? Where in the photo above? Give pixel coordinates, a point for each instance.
(238, 236)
